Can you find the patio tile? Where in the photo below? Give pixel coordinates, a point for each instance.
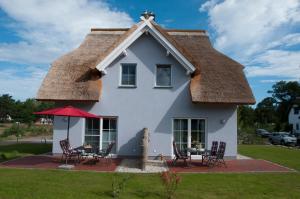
(52, 162)
(233, 166)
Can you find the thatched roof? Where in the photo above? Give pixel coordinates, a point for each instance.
(217, 79)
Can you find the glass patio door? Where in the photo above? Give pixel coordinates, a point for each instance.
(189, 133)
(99, 133)
(181, 133)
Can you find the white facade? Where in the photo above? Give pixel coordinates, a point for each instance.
(148, 106)
(294, 118)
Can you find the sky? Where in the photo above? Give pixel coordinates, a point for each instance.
(263, 35)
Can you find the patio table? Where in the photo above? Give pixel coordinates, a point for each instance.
(195, 151)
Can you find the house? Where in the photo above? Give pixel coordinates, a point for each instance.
(172, 82)
(294, 115)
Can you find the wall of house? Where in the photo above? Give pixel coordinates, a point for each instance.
(294, 119)
(154, 108)
(76, 132)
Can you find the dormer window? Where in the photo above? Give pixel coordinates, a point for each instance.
(128, 75)
(163, 76)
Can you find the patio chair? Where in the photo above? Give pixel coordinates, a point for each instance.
(105, 153)
(179, 155)
(68, 152)
(218, 159)
(209, 153)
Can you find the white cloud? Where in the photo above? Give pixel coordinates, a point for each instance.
(48, 29)
(21, 87)
(258, 33)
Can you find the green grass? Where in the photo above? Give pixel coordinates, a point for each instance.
(48, 184)
(8, 152)
(288, 157)
(67, 184)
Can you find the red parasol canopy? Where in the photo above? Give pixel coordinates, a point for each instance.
(68, 111)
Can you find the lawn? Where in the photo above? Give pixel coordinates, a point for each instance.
(19, 183)
(46, 184)
(18, 150)
(289, 157)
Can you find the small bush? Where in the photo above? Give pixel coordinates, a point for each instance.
(39, 130)
(9, 155)
(118, 185)
(171, 181)
(15, 130)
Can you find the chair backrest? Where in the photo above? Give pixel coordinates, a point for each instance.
(176, 152)
(214, 148)
(221, 150)
(109, 148)
(64, 146)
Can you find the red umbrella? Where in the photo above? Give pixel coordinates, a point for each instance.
(68, 111)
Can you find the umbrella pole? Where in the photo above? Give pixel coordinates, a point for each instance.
(68, 127)
(68, 135)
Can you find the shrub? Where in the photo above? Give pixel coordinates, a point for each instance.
(15, 130)
(118, 185)
(9, 155)
(170, 181)
(39, 130)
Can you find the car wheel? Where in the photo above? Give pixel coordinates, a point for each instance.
(282, 142)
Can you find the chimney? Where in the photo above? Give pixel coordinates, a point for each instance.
(146, 14)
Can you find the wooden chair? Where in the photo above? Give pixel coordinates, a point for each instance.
(218, 159)
(68, 152)
(178, 155)
(210, 153)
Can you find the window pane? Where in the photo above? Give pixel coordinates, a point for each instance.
(96, 124)
(112, 136)
(184, 124)
(105, 124)
(177, 136)
(176, 124)
(109, 133)
(92, 126)
(105, 136)
(163, 75)
(128, 74)
(113, 124)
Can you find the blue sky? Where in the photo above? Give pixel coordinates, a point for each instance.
(263, 35)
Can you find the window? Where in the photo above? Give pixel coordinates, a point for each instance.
(92, 132)
(181, 133)
(163, 76)
(109, 132)
(189, 133)
(101, 137)
(128, 75)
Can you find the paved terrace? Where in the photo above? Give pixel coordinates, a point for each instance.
(233, 166)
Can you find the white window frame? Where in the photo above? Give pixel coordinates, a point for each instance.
(120, 76)
(101, 132)
(155, 78)
(190, 132)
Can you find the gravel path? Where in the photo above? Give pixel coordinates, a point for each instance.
(133, 166)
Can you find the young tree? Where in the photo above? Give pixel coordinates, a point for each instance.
(284, 93)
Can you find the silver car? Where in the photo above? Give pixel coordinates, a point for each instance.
(282, 138)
